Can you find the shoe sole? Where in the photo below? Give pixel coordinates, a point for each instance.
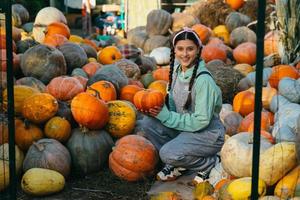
(166, 180)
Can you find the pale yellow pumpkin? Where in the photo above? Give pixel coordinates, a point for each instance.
(4, 174)
(41, 182)
(236, 153)
(241, 188)
(122, 117)
(276, 161)
(286, 187)
(4, 155)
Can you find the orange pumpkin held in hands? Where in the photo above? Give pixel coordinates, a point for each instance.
(147, 99)
(159, 85)
(109, 55)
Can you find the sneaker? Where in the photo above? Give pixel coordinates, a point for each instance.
(200, 177)
(169, 173)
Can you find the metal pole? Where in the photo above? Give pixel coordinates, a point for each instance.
(258, 94)
(10, 97)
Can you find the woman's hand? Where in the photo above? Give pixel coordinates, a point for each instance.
(154, 111)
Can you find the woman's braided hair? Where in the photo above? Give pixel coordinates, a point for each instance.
(183, 36)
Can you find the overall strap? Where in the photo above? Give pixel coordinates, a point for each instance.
(203, 72)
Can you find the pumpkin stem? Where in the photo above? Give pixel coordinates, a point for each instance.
(27, 123)
(83, 129)
(40, 147)
(97, 93)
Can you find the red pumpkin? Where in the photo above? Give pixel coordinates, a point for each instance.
(281, 71)
(245, 53)
(271, 43)
(127, 92)
(91, 68)
(64, 87)
(133, 158)
(147, 99)
(55, 40)
(89, 111)
(105, 89)
(212, 52)
(248, 122)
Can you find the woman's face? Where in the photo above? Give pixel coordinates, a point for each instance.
(185, 52)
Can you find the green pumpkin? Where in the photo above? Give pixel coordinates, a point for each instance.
(89, 150)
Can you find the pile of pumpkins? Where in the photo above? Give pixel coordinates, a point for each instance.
(76, 105)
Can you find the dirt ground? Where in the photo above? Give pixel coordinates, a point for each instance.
(101, 186)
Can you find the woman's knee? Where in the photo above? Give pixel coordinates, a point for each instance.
(170, 156)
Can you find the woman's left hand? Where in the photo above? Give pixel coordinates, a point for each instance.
(154, 111)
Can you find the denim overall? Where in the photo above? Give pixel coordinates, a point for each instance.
(191, 150)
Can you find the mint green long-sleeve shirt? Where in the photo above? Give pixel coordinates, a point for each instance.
(208, 102)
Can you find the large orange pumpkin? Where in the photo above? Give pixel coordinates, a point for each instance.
(133, 158)
(39, 107)
(203, 32)
(105, 89)
(127, 92)
(109, 55)
(64, 88)
(89, 111)
(243, 102)
(161, 73)
(58, 28)
(212, 52)
(245, 53)
(26, 133)
(21, 92)
(281, 71)
(235, 4)
(147, 99)
(159, 85)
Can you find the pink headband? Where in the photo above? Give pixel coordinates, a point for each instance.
(189, 30)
